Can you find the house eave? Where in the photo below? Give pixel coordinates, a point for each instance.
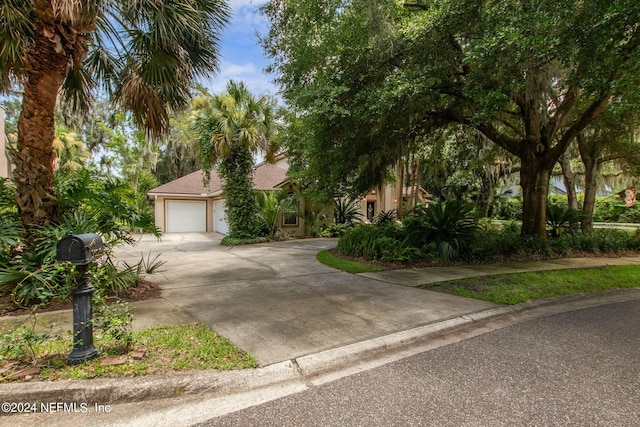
(152, 195)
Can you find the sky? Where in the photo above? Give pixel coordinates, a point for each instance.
(242, 58)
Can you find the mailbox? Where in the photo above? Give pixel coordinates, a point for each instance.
(78, 249)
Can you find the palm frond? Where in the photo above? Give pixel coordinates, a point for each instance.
(236, 117)
(144, 102)
(145, 54)
(77, 88)
(16, 35)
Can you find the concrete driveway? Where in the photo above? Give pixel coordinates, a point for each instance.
(275, 300)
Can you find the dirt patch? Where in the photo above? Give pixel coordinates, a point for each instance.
(144, 291)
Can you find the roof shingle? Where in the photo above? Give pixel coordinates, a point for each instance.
(265, 177)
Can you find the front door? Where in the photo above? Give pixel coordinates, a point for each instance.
(371, 210)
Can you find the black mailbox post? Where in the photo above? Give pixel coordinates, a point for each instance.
(79, 249)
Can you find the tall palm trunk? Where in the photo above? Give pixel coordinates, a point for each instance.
(34, 157)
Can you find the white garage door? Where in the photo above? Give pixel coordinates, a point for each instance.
(186, 216)
(220, 217)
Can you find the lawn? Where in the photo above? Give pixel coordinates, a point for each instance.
(165, 349)
(350, 266)
(520, 287)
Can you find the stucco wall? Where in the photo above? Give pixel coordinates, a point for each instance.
(160, 209)
(4, 161)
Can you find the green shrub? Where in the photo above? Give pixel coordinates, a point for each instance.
(114, 321)
(8, 208)
(443, 228)
(608, 209)
(385, 217)
(508, 209)
(335, 230)
(451, 234)
(346, 211)
(559, 200)
(89, 203)
(634, 240)
(312, 221)
(561, 219)
(599, 240)
(20, 344)
(273, 205)
(494, 242)
(631, 214)
(380, 243)
(235, 241)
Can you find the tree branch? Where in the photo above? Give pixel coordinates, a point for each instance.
(510, 144)
(590, 114)
(561, 112)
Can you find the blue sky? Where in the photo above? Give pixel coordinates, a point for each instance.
(242, 57)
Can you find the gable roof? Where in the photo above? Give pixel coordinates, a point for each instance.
(265, 177)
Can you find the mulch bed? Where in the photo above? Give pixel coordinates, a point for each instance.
(144, 291)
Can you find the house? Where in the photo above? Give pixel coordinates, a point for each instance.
(5, 163)
(188, 205)
(385, 199)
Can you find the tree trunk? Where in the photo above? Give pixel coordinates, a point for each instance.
(569, 181)
(591, 168)
(416, 193)
(399, 189)
(34, 157)
(413, 181)
(534, 179)
(486, 195)
(590, 154)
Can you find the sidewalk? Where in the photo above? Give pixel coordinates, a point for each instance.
(303, 321)
(425, 276)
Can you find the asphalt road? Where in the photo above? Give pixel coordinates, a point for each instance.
(574, 369)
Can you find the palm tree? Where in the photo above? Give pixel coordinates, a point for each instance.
(231, 129)
(70, 152)
(144, 54)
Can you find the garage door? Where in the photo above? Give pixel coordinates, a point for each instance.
(186, 216)
(220, 217)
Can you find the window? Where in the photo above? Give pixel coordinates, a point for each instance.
(289, 218)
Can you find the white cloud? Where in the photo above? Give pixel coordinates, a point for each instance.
(239, 69)
(243, 60)
(256, 80)
(247, 20)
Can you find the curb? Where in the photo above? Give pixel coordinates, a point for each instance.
(314, 368)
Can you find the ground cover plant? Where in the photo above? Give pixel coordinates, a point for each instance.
(89, 203)
(447, 232)
(520, 287)
(348, 265)
(235, 241)
(163, 349)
